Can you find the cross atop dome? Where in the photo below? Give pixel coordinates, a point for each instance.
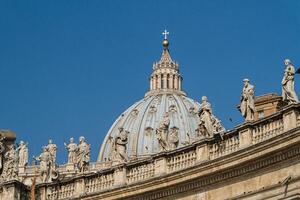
(166, 33)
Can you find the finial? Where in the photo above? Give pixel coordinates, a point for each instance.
(165, 41)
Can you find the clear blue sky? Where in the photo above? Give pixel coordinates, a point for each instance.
(69, 68)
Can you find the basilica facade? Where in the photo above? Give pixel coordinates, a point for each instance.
(169, 146)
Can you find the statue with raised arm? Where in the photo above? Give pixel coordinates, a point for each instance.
(288, 89)
(52, 148)
(22, 152)
(45, 164)
(83, 155)
(10, 167)
(247, 106)
(119, 146)
(162, 132)
(72, 150)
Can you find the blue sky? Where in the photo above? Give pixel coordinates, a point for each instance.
(69, 68)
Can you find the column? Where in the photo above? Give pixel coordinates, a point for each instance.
(165, 81)
(179, 82)
(151, 83)
(176, 82)
(159, 82)
(154, 82)
(171, 81)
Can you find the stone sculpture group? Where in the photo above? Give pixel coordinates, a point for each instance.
(247, 106)
(13, 158)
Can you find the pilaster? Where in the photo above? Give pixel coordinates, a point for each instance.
(245, 135)
(160, 166)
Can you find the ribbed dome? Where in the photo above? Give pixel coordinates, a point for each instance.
(165, 119)
(143, 118)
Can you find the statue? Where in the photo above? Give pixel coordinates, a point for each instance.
(119, 146)
(173, 138)
(162, 132)
(22, 154)
(247, 106)
(83, 155)
(10, 167)
(205, 114)
(72, 150)
(2, 149)
(48, 169)
(288, 90)
(52, 148)
(208, 124)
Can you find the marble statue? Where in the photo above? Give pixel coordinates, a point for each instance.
(288, 90)
(10, 167)
(48, 169)
(162, 132)
(247, 106)
(205, 114)
(201, 131)
(83, 155)
(2, 149)
(52, 148)
(72, 151)
(119, 146)
(22, 152)
(218, 127)
(208, 124)
(173, 138)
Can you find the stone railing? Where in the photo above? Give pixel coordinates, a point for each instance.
(223, 147)
(140, 172)
(61, 191)
(181, 160)
(267, 129)
(99, 182)
(105, 176)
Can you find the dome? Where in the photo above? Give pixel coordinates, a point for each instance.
(143, 118)
(165, 119)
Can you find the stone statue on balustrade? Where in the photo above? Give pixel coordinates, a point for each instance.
(247, 107)
(83, 155)
(52, 148)
(48, 168)
(10, 164)
(162, 132)
(72, 151)
(288, 89)
(208, 124)
(22, 152)
(119, 150)
(2, 149)
(173, 138)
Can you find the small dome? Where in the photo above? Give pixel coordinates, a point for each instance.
(143, 118)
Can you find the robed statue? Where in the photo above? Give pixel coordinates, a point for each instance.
(162, 132)
(288, 90)
(247, 106)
